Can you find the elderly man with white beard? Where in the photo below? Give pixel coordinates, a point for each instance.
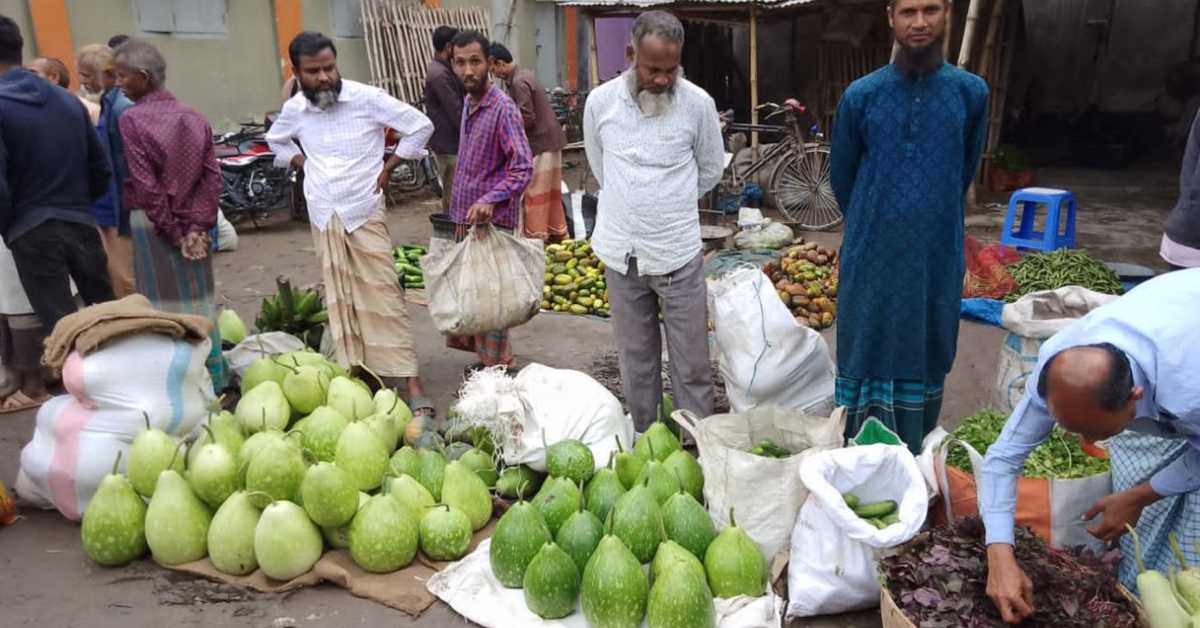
(653, 141)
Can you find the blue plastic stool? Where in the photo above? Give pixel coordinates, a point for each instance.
(1024, 236)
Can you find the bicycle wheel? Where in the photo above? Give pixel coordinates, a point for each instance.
(802, 188)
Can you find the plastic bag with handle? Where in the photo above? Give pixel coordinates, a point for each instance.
(832, 567)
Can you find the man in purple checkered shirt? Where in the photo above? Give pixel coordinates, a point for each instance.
(495, 165)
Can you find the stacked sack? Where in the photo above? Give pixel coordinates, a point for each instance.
(112, 395)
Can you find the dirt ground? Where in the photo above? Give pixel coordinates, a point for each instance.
(45, 579)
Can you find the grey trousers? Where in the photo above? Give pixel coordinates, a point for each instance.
(447, 164)
(634, 301)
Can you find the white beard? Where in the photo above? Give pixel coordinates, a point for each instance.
(651, 104)
(654, 105)
(326, 99)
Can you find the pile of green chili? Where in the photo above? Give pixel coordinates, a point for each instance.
(1063, 267)
(1059, 457)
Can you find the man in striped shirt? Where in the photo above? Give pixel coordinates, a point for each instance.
(495, 165)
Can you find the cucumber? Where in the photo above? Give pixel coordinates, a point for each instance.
(877, 523)
(890, 519)
(851, 500)
(875, 509)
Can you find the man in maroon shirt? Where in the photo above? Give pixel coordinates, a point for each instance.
(172, 190)
(542, 203)
(444, 105)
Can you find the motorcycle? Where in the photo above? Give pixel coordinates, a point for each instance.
(410, 175)
(252, 186)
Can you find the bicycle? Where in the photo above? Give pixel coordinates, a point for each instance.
(800, 181)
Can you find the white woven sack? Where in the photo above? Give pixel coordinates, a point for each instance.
(72, 449)
(490, 281)
(162, 376)
(766, 493)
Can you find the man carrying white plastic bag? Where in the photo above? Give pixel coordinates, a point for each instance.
(833, 565)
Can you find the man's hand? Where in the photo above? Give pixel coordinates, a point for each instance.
(298, 162)
(480, 213)
(1010, 589)
(1124, 508)
(194, 246)
(385, 179)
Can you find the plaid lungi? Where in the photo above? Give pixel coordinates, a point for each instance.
(909, 408)
(368, 318)
(175, 284)
(543, 203)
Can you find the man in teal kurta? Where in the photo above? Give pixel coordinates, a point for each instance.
(906, 144)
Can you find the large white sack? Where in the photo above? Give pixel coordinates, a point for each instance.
(560, 402)
(766, 357)
(469, 587)
(72, 449)
(162, 376)
(765, 492)
(832, 568)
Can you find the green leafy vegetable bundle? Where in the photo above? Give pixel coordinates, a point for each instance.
(1059, 457)
(1064, 267)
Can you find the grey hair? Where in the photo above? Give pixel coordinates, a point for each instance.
(661, 24)
(142, 56)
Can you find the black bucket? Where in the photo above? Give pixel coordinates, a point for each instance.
(443, 227)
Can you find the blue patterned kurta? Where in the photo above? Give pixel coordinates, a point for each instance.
(904, 152)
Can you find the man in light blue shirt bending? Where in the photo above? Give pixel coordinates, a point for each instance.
(1132, 364)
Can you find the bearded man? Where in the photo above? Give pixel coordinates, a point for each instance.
(906, 144)
(653, 141)
(341, 124)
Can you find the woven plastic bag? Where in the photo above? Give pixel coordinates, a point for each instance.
(766, 493)
(489, 281)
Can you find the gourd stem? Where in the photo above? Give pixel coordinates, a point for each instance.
(117, 462)
(1137, 548)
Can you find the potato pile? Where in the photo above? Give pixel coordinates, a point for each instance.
(806, 279)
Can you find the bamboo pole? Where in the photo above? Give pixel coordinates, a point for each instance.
(989, 44)
(968, 39)
(593, 56)
(949, 31)
(754, 75)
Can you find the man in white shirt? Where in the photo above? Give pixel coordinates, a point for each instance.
(653, 141)
(341, 125)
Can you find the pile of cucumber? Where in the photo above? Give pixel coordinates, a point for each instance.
(769, 449)
(407, 260)
(879, 514)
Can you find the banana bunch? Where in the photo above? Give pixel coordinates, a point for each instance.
(574, 281)
(300, 313)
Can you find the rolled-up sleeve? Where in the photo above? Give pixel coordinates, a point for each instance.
(414, 128)
(284, 130)
(709, 149)
(1028, 426)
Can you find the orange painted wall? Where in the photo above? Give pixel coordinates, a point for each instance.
(289, 21)
(52, 31)
(571, 16)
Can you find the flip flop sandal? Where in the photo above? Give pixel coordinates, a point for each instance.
(420, 404)
(19, 401)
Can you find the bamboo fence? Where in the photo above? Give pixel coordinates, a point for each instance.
(399, 39)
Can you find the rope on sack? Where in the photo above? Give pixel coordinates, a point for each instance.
(762, 322)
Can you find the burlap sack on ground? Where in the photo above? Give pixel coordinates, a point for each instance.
(403, 590)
